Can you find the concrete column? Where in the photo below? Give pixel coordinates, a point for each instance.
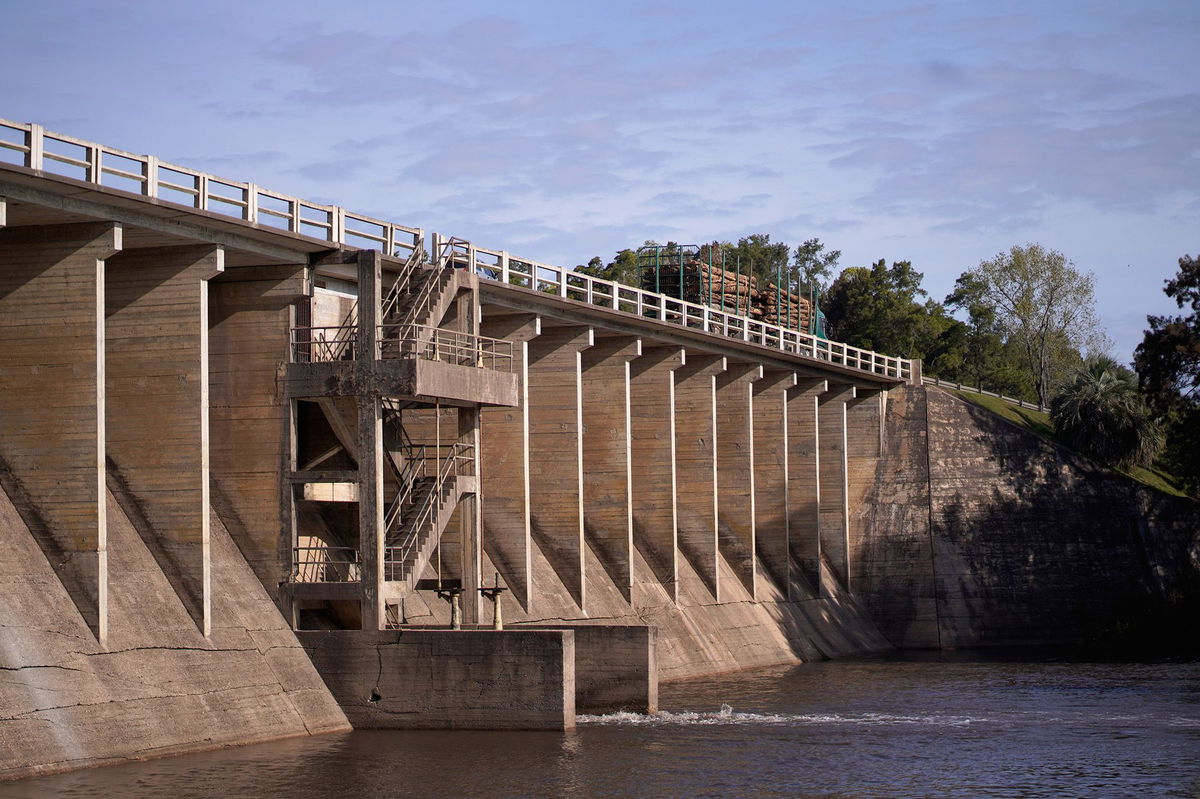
(156, 352)
(504, 466)
(52, 406)
(471, 523)
(834, 500)
(804, 487)
(735, 470)
(607, 494)
(555, 406)
(250, 316)
(371, 532)
(653, 470)
(771, 499)
(696, 464)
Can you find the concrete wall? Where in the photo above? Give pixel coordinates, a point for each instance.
(159, 687)
(449, 679)
(1004, 538)
(250, 316)
(52, 362)
(156, 382)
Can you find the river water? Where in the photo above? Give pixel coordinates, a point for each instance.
(903, 726)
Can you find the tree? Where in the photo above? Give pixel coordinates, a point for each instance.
(1042, 304)
(812, 267)
(879, 308)
(1168, 367)
(1100, 413)
(622, 269)
(757, 255)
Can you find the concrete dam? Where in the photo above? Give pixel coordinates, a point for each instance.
(271, 468)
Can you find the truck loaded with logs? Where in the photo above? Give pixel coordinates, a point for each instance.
(704, 276)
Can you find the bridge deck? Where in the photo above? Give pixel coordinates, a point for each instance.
(52, 178)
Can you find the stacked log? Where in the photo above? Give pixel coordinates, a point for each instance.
(729, 291)
(725, 290)
(785, 308)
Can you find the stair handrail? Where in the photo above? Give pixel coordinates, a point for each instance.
(447, 469)
(410, 265)
(413, 260)
(414, 464)
(424, 295)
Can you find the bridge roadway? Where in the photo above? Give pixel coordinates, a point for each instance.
(149, 313)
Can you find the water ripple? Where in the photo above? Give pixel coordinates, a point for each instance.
(727, 715)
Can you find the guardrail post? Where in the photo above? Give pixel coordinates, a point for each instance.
(150, 173)
(33, 140)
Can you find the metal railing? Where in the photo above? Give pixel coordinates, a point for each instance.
(326, 565)
(400, 284)
(1020, 403)
(37, 148)
(459, 460)
(322, 344)
(326, 344)
(414, 468)
(449, 346)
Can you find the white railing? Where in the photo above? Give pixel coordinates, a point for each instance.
(1020, 403)
(37, 148)
(501, 267)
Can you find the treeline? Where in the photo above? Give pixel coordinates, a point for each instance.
(799, 269)
(1021, 323)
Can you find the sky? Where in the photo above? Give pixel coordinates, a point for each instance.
(939, 133)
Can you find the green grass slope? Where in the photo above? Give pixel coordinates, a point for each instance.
(1039, 423)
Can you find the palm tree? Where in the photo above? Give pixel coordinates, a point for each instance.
(1100, 413)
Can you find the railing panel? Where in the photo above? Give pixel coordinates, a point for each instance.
(30, 145)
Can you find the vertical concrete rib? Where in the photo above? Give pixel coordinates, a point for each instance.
(370, 445)
(52, 326)
(771, 495)
(804, 488)
(834, 502)
(250, 318)
(504, 466)
(696, 464)
(607, 500)
(555, 409)
(471, 521)
(653, 471)
(735, 470)
(156, 353)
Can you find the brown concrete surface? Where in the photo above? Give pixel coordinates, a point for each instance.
(52, 361)
(159, 687)
(1003, 538)
(449, 679)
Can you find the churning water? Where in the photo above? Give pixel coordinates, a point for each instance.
(895, 727)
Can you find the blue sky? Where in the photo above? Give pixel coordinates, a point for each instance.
(941, 133)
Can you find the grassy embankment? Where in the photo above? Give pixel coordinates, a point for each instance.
(1039, 423)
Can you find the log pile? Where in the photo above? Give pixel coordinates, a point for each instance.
(730, 292)
(785, 308)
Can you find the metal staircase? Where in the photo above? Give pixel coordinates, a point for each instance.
(420, 512)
